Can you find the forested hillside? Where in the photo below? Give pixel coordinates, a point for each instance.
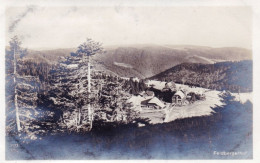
(146, 60)
(232, 76)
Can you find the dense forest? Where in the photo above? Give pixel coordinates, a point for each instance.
(232, 76)
(45, 97)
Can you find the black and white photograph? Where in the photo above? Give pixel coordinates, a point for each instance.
(128, 82)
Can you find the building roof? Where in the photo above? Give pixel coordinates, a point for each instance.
(179, 93)
(145, 102)
(156, 101)
(138, 100)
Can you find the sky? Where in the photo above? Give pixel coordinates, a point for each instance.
(67, 27)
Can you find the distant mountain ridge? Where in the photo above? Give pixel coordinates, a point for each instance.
(147, 60)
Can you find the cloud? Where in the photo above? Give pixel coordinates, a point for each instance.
(14, 24)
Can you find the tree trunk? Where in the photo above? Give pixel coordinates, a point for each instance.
(15, 98)
(89, 77)
(90, 113)
(17, 111)
(79, 117)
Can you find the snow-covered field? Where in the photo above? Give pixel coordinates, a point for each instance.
(197, 109)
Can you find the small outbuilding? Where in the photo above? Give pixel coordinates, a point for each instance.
(179, 97)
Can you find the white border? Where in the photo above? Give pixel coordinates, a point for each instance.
(256, 52)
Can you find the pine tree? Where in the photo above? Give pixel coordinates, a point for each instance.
(21, 94)
(89, 49)
(71, 87)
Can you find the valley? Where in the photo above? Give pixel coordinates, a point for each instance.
(147, 60)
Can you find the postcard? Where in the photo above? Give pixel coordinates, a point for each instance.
(128, 81)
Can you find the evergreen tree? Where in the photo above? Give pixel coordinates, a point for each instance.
(21, 92)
